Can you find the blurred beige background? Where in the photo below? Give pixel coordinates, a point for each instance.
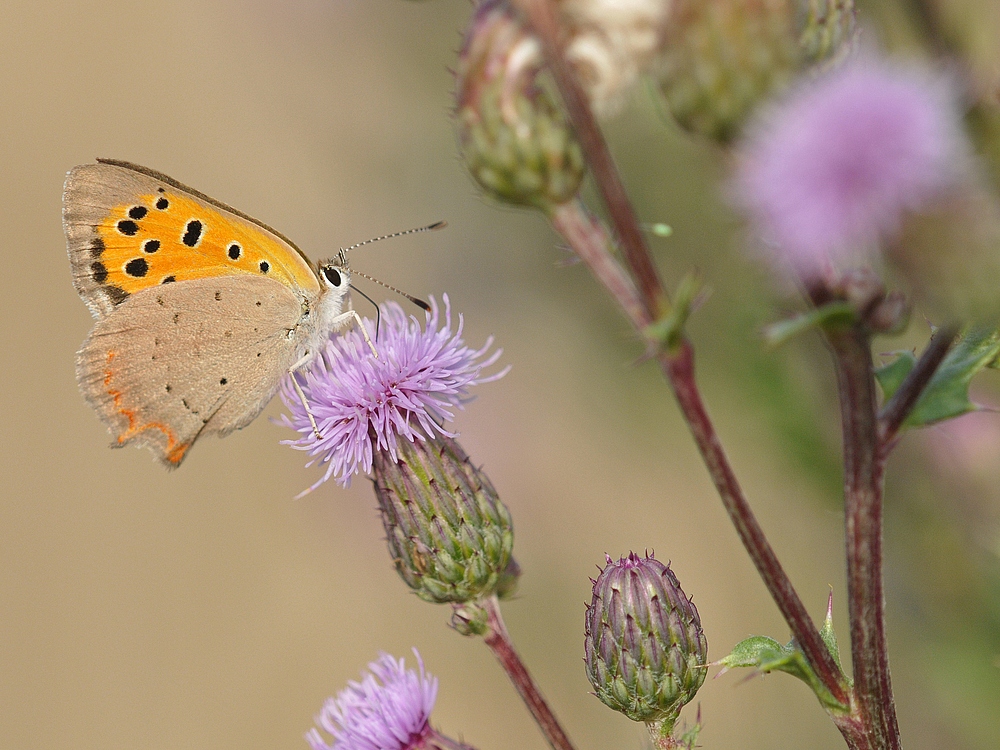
(206, 608)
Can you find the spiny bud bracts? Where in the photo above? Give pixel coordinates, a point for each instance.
(722, 57)
(645, 648)
(515, 140)
(449, 534)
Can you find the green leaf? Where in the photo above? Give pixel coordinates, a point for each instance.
(947, 393)
(832, 314)
(827, 633)
(767, 655)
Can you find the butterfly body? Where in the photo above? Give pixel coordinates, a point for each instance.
(200, 309)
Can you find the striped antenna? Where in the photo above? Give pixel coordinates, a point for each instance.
(429, 228)
(342, 256)
(415, 300)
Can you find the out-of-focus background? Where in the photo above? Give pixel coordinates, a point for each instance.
(206, 608)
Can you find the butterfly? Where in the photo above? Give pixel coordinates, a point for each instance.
(201, 309)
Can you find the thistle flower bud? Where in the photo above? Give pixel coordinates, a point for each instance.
(448, 533)
(645, 649)
(515, 140)
(724, 56)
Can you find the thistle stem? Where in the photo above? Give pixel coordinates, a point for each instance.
(678, 366)
(863, 475)
(905, 398)
(499, 642)
(541, 15)
(590, 240)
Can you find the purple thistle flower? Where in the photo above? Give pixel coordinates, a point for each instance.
(364, 404)
(388, 710)
(831, 170)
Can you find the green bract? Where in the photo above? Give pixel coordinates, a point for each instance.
(515, 140)
(723, 57)
(645, 649)
(448, 533)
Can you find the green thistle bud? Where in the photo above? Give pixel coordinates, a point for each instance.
(448, 533)
(515, 140)
(645, 649)
(722, 57)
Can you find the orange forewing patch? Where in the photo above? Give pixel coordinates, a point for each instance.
(153, 241)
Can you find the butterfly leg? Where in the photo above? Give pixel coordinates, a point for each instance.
(302, 397)
(353, 315)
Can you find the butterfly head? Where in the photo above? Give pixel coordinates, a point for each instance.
(335, 280)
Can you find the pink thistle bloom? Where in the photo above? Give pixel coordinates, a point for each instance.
(388, 710)
(831, 171)
(364, 404)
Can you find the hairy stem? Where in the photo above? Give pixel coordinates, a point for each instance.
(863, 474)
(499, 642)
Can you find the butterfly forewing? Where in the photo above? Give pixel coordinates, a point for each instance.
(130, 229)
(176, 361)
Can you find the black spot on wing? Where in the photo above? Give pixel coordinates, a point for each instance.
(116, 294)
(96, 247)
(98, 272)
(128, 227)
(137, 267)
(137, 212)
(192, 233)
(150, 246)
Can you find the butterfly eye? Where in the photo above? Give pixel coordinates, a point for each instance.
(333, 276)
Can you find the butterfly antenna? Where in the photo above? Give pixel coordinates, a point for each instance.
(415, 300)
(378, 313)
(429, 228)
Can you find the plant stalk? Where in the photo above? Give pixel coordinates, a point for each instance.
(499, 642)
(863, 484)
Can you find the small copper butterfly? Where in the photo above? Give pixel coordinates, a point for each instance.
(201, 310)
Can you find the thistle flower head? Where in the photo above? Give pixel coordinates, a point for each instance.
(388, 710)
(363, 404)
(835, 167)
(644, 646)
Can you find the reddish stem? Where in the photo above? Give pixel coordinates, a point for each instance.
(863, 475)
(678, 365)
(542, 16)
(499, 642)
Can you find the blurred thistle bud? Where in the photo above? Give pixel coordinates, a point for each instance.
(611, 43)
(515, 140)
(507, 585)
(722, 57)
(448, 533)
(645, 649)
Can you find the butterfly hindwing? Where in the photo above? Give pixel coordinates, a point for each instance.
(178, 360)
(129, 229)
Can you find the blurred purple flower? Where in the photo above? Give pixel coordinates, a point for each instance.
(388, 710)
(363, 404)
(831, 170)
